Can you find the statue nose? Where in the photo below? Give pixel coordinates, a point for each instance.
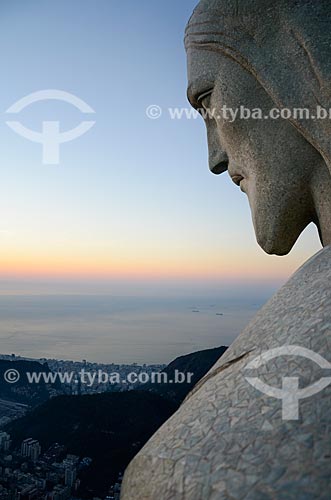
(218, 158)
(219, 166)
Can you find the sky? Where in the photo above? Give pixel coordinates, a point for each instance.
(131, 207)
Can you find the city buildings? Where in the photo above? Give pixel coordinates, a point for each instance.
(31, 448)
(5, 441)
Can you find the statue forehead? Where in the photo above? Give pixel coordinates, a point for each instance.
(233, 8)
(227, 19)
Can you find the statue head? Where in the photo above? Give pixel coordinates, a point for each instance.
(260, 73)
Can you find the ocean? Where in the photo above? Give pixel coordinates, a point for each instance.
(108, 329)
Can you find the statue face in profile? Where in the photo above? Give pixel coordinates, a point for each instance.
(275, 161)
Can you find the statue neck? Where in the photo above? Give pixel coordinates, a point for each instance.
(321, 193)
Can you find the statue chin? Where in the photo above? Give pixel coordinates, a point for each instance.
(274, 247)
(277, 231)
(275, 244)
(272, 238)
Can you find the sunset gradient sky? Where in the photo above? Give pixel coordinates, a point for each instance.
(132, 201)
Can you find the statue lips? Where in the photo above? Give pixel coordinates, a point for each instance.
(237, 178)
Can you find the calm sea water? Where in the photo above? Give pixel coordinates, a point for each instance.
(118, 329)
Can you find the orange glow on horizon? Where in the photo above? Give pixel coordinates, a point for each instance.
(101, 264)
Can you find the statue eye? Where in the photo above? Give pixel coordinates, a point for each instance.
(204, 99)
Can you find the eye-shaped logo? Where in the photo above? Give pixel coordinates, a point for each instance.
(50, 137)
(290, 394)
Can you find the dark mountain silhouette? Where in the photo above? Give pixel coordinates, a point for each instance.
(198, 363)
(110, 427)
(22, 391)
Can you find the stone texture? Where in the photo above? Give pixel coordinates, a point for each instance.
(262, 55)
(228, 440)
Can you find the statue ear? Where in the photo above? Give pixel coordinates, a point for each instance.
(306, 69)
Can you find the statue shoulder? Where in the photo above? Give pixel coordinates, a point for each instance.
(297, 312)
(230, 436)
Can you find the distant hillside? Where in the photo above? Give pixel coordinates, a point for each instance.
(198, 363)
(22, 391)
(110, 428)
